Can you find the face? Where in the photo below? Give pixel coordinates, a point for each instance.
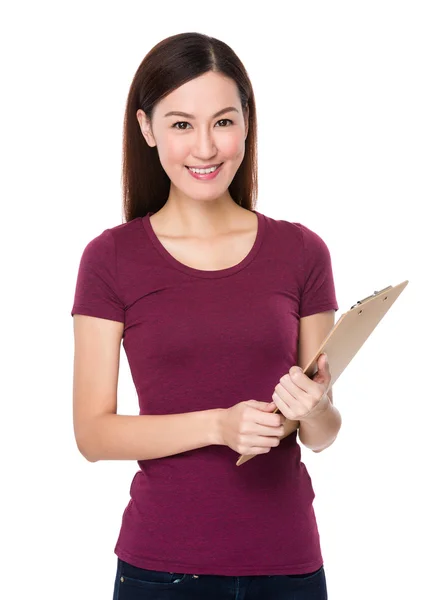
(201, 137)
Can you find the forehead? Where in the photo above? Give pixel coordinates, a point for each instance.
(203, 95)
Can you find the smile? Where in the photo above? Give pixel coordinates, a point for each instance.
(205, 174)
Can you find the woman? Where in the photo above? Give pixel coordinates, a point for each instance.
(216, 304)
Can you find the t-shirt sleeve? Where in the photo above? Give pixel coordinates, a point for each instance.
(318, 292)
(97, 289)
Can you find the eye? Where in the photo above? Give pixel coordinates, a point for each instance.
(185, 123)
(229, 121)
(180, 123)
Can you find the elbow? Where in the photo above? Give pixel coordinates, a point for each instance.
(88, 434)
(86, 448)
(90, 457)
(86, 453)
(316, 450)
(326, 446)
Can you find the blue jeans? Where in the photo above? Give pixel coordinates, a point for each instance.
(134, 583)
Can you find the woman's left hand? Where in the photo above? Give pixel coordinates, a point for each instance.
(298, 397)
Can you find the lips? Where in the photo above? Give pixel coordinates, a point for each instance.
(208, 176)
(205, 167)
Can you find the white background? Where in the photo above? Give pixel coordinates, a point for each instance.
(340, 97)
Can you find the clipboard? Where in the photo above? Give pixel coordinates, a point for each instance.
(348, 335)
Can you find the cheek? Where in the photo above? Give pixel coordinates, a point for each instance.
(173, 150)
(232, 147)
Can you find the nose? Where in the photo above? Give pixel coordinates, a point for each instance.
(204, 144)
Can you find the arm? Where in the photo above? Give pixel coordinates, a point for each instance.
(100, 433)
(289, 427)
(142, 437)
(320, 430)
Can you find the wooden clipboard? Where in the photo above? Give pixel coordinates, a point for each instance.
(348, 335)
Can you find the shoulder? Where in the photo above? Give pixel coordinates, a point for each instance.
(313, 244)
(294, 233)
(124, 231)
(309, 236)
(283, 230)
(109, 241)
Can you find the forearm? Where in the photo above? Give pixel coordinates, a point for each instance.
(318, 432)
(143, 437)
(289, 427)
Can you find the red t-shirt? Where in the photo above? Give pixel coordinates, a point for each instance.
(197, 340)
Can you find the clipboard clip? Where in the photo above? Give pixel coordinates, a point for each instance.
(372, 296)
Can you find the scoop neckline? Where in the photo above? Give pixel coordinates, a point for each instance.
(201, 272)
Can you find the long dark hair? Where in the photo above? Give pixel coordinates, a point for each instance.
(171, 63)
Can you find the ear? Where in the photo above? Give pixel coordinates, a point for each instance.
(146, 127)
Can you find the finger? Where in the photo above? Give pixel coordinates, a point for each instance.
(279, 413)
(324, 359)
(266, 431)
(310, 387)
(283, 405)
(294, 393)
(274, 420)
(294, 401)
(259, 404)
(302, 381)
(324, 367)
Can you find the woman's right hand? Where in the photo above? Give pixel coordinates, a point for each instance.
(249, 428)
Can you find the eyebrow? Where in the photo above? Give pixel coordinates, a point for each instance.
(183, 114)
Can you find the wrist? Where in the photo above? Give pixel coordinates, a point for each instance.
(321, 409)
(215, 426)
(289, 427)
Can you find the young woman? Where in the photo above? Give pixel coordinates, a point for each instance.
(217, 306)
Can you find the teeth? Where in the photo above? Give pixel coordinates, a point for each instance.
(211, 170)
